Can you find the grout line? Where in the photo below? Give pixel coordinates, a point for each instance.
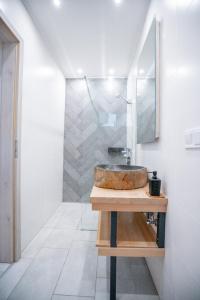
(67, 249)
(33, 258)
(145, 262)
(36, 247)
(96, 276)
(62, 268)
(2, 273)
(37, 252)
(56, 248)
(31, 261)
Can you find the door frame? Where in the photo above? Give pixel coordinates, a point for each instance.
(10, 247)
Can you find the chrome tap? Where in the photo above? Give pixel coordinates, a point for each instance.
(151, 219)
(127, 155)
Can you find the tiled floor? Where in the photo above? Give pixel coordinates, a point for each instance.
(61, 263)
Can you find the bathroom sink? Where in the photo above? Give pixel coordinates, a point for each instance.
(120, 177)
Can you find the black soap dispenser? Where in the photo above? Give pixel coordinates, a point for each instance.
(154, 185)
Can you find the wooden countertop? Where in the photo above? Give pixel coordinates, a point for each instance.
(137, 200)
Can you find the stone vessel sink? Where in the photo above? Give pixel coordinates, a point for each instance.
(120, 177)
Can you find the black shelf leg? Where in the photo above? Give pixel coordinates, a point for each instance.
(113, 273)
(161, 230)
(113, 259)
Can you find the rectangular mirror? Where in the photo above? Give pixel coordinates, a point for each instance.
(147, 91)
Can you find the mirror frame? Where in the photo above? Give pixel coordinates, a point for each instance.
(157, 133)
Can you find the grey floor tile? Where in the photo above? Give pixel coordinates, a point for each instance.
(70, 207)
(124, 292)
(106, 296)
(125, 266)
(70, 217)
(64, 215)
(78, 277)
(40, 279)
(86, 235)
(54, 219)
(133, 275)
(147, 297)
(103, 267)
(102, 296)
(60, 297)
(89, 219)
(102, 285)
(36, 244)
(60, 238)
(66, 222)
(3, 268)
(12, 276)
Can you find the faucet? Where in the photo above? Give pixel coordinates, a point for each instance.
(127, 155)
(151, 219)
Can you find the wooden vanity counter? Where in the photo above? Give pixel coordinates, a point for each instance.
(134, 237)
(137, 200)
(123, 228)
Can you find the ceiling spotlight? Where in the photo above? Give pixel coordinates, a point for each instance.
(79, 71)
(57, 3)
(118, 2)
(111, 71)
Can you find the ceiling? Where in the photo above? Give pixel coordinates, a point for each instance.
(92, 35)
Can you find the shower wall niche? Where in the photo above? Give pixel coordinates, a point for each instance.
(90, 128)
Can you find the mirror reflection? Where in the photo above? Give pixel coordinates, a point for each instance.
(146, 94)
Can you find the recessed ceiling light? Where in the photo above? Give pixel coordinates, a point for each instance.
(118, 2)
(79, 71)
(111, 71)
(57, 3)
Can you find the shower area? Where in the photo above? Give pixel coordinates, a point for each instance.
(95, 121)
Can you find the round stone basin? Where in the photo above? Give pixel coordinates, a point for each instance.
(120, 177)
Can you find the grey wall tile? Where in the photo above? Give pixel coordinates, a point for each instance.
(86, 140)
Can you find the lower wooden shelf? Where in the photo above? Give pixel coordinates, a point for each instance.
(134, 236)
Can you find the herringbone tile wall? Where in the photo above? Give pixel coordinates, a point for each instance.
(90, 128)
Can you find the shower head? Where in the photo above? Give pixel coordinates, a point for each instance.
(118, 96)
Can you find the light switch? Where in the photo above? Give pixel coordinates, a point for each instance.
(192, 138)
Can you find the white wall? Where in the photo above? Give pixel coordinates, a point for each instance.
(177, 275)
(43, 99)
